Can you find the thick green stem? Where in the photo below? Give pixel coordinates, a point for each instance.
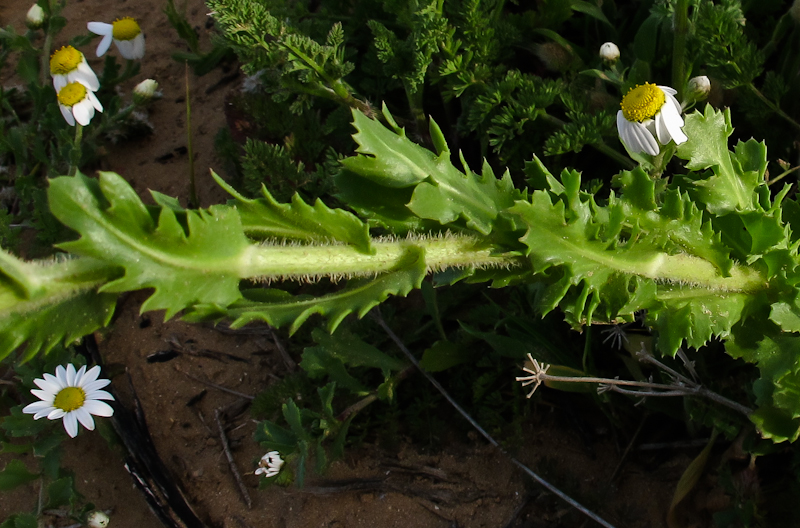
(340, 261)
(693, 271)
(681, 25)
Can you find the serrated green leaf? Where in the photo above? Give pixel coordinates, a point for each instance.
(707, 147)
(442, 192)
(694, 315)
(60, 492)
(46, 303)
(318, 363)
(358, 297)
(274, 437)
(15, 474)
(266, 218)
(353, 351)
(292, 415)
(182, 268)
(388, 157)
(443, 355)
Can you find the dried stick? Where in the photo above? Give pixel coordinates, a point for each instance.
(231, 463)
(682, 386)
(376, 314)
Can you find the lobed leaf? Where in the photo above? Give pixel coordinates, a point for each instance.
(736, 175)
(196, 264)
(266, 218)
(441, 192)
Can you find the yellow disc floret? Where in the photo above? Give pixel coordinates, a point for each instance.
(126, 29)
(65, 60)
(72, 94)
(69, 398)
(642, 102)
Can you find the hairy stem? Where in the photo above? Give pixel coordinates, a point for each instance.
(303, 262)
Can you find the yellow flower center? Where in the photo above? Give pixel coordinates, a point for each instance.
(69, 399)
(72, 94)
(125, 29)
(65, 60)
(642, 102)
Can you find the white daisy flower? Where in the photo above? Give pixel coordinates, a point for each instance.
(77, 103)
(69, 65)
(649, 112)
(125, 32)
(270, 464)
(72, 396)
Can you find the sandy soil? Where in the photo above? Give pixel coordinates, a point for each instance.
(469, 484)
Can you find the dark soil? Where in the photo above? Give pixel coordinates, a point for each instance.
(466, 483)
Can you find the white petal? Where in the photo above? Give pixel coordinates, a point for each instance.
(59, 81)
(86, 76)
(70, 367)
(61, 374)
(98, 408)
(89, 388)
(71, 424)
(668, 91)
(38, 407)
(91, 374)
(138, 46)
(43, 413)
(66, 111)
(635, 136)
(85, 418)
(52, 379)
(55, 414)
(79, 376)
(99, 395)
(125, 48)
(44, 395)
(96, 104)
(104, 44)
(673, 122)
(47, 385)
(100, 28)
(661, 130)
(84, 112)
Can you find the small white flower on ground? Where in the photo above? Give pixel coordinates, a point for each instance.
(649, 112)
(270, 464)
(35, 17)
(145, 91)
(126, 34)
(97, 519)
(609, 51)
(698, 88)
(72, 396)
(78, 103)
(69, 65)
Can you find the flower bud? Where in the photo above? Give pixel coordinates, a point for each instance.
(698, 88)
(97, 519)
(609, 52)
(145, 92)
(35, 17)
